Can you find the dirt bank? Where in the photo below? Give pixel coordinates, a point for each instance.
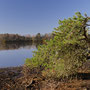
(22, 78)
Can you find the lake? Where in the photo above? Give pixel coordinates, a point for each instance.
(14, 54)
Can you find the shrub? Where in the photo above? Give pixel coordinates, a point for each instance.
(66, 52)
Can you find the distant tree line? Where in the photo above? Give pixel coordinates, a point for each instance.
(27, 38)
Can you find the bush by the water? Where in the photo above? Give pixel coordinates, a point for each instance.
(66, 52)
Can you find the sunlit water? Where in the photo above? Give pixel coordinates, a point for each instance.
(15, 55)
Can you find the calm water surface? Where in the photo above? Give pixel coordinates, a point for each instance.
(12, 55)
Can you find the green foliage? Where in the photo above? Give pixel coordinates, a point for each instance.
(65, 53)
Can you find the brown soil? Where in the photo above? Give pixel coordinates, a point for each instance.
(22, 78)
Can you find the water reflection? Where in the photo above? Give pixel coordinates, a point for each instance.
(14, 54)
(17, 45)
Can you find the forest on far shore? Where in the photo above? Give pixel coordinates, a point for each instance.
(4, 38)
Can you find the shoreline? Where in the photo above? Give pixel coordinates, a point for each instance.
(14, 78)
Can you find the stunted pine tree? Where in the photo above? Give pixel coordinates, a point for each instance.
(66, 52)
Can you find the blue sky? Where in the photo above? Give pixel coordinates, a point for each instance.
(37, 16)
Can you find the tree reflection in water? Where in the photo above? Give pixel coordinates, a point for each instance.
(18, 45)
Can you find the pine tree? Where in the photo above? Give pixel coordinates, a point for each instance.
(66, 52)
